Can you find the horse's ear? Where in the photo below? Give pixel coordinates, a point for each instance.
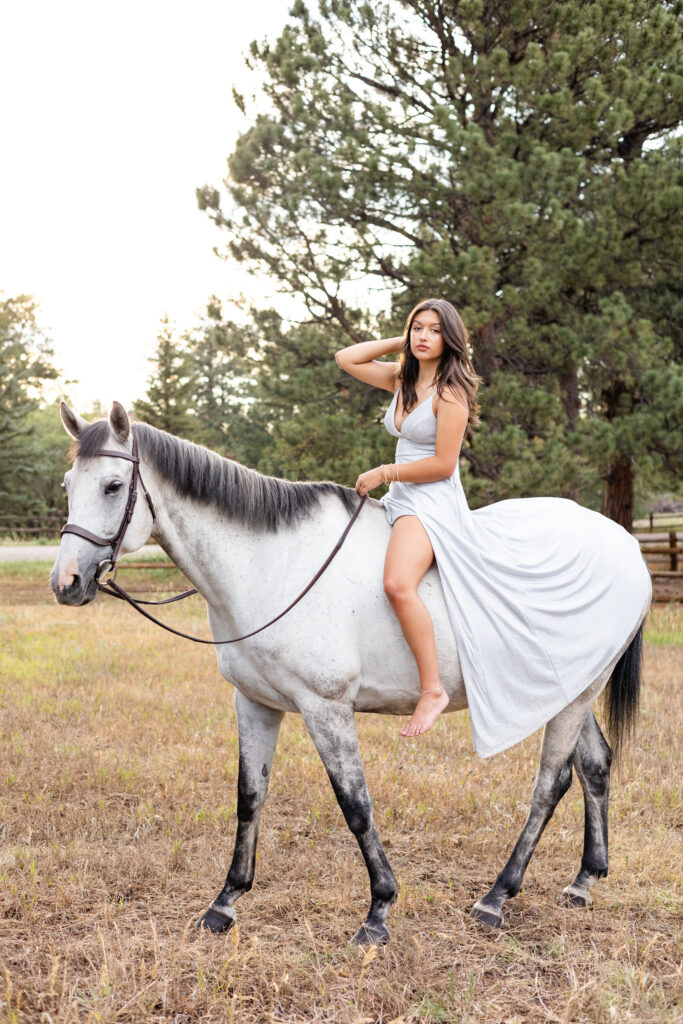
(73, 423)
(119, 422)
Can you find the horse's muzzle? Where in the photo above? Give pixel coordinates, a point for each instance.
(76, 592)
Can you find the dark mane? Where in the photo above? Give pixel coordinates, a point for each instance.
(263, 502)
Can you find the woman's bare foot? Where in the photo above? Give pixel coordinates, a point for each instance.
(429, 707)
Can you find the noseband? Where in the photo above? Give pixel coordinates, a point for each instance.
(117, 540)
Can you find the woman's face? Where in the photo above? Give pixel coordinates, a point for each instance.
(426, 340)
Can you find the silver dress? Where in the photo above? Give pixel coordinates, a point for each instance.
(542, 593)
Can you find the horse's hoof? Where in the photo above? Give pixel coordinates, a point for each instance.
(484, 915)
(575, 897)
(217, 920)
(371, 935)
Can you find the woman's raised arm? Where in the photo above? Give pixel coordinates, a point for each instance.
(362, 361)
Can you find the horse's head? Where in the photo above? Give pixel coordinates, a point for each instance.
(104, 516)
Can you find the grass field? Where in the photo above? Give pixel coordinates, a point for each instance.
(118, 789)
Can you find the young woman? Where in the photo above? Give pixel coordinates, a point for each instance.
(542, 594)
(434, 387)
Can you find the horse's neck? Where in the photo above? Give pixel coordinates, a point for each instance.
(206, 546)
(230, 563)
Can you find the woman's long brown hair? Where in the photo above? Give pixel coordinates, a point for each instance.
(455, 371)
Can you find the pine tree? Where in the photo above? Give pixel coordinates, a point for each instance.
(49, 463)
(25, 365)
(168, 400)
(520, 159)
(227, 418)
(323, 424)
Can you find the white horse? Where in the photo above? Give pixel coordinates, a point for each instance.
(250, 543)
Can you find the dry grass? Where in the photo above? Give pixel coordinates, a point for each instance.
(118, 785)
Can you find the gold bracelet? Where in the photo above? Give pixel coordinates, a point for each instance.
(396, 468)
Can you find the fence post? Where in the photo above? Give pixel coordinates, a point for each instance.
(651, 522)
(673, 553)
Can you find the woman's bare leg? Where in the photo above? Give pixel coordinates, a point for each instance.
(408, 557)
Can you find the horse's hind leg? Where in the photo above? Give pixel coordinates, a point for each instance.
(592, 760)
(553, 779)
(333, 729)
(258, 732)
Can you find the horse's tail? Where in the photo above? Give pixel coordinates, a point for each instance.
(622, 694)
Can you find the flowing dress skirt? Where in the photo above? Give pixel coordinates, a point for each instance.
(542, 593)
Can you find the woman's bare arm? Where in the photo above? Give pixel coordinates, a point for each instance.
(362, 361)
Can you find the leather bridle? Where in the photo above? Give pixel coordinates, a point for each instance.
(117, 540)
(112, 588)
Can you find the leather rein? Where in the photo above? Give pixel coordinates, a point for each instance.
(112, 588)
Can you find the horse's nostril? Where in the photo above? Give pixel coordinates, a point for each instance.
(65, 574)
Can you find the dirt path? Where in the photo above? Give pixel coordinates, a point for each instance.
(48, 552)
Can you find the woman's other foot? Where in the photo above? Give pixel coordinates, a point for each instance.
(429, 707)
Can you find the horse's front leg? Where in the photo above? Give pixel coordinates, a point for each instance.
(258, 732)
(333, 729)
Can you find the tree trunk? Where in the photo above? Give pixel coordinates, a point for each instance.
(569, 391)
(483, 341)
(617, 502)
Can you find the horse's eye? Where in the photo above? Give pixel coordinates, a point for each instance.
(113, 487)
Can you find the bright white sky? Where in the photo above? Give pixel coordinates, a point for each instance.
(112, 115)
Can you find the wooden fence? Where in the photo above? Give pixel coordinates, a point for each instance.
(658, 522)
(27, 526)
(663, 553)
(660, 535)
(662, 550)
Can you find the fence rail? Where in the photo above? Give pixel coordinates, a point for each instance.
(658, 521)
(28, 525)
(665, 550)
